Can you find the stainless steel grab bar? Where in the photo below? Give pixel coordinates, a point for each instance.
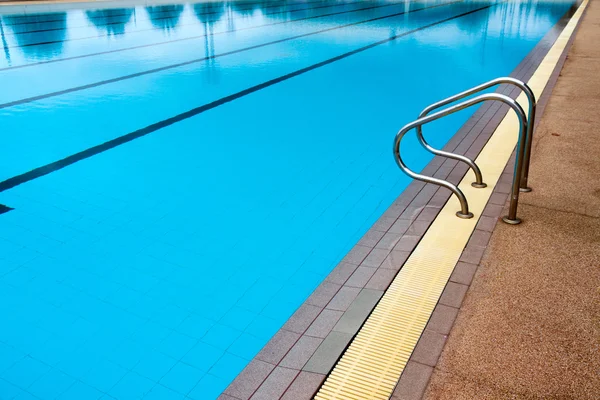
(529, 134)
(464, 212)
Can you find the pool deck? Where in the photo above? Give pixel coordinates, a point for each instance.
(529, 326)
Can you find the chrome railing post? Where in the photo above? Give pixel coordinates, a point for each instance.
(528, 142)
(464, 212)
(529, 132)
(511, 218)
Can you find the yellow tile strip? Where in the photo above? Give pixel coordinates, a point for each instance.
(371, 366)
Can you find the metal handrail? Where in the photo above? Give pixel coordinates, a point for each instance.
(464, 205)
(529, 134)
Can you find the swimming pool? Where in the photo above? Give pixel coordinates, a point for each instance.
(179, 178)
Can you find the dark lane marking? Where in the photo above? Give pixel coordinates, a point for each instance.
(211, 57)
(179, 25)
(154, 19)
(269, 4)
(199, 36)
(92, 151)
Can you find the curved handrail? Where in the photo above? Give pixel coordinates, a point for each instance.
(464, 212)
(529, 133)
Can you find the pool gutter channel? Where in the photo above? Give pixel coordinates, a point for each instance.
(296, 361)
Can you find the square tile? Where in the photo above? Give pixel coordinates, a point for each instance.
(246, 346)
(263, 327)
(104, 376)
(203, 356)
(176, 345)
(276, 384)
(132, 386)
(159, 392)
(51, 385)
(209, 387)
(300, 353)
(195, 326)
(246, 383)
(79, 391)
(25, 371)
(221, 336)
(182, 378)
(154, 365)
(228, 366)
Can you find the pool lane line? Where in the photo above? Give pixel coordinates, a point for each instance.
(158, 19)
(199, 36)
(211, 57)
(376, 358)
(92, 151)
(277, 3)
(190, 24)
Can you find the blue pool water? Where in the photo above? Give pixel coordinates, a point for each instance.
(180, 178)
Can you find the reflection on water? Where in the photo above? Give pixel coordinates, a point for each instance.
(112, 22)
(165, 17)
(245, 9)
(208, 14)
(41, 36)
(4, 43)
(51, 44)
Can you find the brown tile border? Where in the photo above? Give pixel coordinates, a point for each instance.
(428, 350)
(295, 362)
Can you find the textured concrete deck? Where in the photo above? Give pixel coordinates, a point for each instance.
(530, 324)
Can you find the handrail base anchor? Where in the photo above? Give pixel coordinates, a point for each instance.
(509, 221)
(464, 216)
(479, 185)
(525, 190)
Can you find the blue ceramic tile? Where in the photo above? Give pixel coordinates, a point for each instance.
(104, 375)
(170, 316)
(263, 327)
(228, 366)
(51, 385)
(154, 365)
(127, 354)
(209, 387)
(160, 392)
(182, 378)
(8, 390)
(238, 318)
(9, 356)
(246, 346)
(151, 334)
(195, 326)
(176, 345)
(132, 386)
(25, 371)
(80, 391)
(203, 356)
(221, 336)
(25, 396)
